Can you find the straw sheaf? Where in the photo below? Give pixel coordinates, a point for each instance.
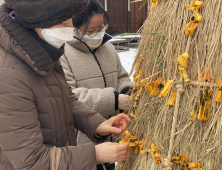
(199, 140)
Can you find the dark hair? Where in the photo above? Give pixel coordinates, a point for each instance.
(83, 19)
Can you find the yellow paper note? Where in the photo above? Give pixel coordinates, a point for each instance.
(196, 3)
(142, 86)
(197, 103)
(219, 90)
(154, 87)
(192, 29)
(184, 72)
(207, 106)
(203, 101)
(182, 59)
(138, 63)
(153, 3)
(172, 98)
(166, 89)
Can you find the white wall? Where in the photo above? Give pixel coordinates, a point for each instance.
(1, 1)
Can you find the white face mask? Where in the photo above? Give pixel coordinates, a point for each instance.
(94, 41)
(56, 37)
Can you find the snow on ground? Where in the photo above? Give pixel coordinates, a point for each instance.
(126, 36)
(127, 58)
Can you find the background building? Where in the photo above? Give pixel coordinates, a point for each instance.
(124, 16)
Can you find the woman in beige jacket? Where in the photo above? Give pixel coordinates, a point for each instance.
(93, 68)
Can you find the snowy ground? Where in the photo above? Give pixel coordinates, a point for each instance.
(127, 58)
(127, 36)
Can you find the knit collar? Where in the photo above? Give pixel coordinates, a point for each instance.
(53, 52)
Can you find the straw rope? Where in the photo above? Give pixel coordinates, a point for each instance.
(204, 84)
(180, 90)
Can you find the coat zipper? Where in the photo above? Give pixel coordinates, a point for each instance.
(104, 79)
(100, 68)
(94, 55)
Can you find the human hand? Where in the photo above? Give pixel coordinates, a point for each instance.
(111, 152)
(114, 125)
(123, 101)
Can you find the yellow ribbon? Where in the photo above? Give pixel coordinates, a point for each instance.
(122, 163)
(158, 161)
(195, 6)
(136, 77)
(193, 25)
(127, 137)
(148, 84)
(172, 98)
(196, 3)
(139, 144)
(184, 72)
(183, 60)
(199, 166)
(201, 111)
(142, 86)
(189, 166)
(197, 16)
(183, 160)
(154, 87)
(176, 159)
(208, 74)
(143, 151)
(199, 98)
(133, 92)
(133, 112)
(133, 143)
(155, 154)
(166, 89)
(139, 62)
(133, 115)
(153, 3)
(219, 90)
(196, 104)
(205, 100)
(207, 105)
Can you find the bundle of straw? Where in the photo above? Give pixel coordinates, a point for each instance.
(169, 127)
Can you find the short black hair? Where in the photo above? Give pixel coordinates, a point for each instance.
(83, 19)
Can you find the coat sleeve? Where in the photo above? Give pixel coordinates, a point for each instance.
(100, 100)
(124, 83)
(21, 139)
(85, 119)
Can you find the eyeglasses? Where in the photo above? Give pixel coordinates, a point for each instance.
(94, 33)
